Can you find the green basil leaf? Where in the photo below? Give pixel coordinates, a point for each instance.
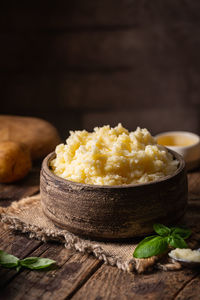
(161, 229)
(182, 232)
(28, 260)
(150, 247)
(176, 241)
(148, 238)
(8, 260)
(144, 241)
(36, 263)
(18, 268)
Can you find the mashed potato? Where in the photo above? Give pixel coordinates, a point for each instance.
(112, 156)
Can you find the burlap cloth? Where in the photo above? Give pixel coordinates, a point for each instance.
(27, 216)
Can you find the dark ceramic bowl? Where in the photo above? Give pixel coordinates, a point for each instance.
(113, 212)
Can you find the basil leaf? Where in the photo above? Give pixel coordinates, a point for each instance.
(28, 260)
(176, 241)
(182, 232)
(150, 247)
(148, 238)
(8, 260)
(36, 263)
(18, 268)
(161, 229)
(144, 241)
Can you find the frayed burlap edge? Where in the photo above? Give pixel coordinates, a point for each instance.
(72, 241)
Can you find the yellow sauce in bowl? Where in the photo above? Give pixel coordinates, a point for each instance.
(187, 144)
(175, 140)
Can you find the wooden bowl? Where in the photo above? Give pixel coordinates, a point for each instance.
(113, 212)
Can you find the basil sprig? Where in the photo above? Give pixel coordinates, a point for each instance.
(158, 244)
(34, 263)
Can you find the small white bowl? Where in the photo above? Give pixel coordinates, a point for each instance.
(185, 143)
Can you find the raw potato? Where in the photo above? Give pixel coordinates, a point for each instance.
(39, 135)
(15, 161)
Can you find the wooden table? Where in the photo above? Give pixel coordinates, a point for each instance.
(82, 276)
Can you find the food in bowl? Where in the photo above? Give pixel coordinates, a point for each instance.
(185, 143)
(113, 212)
(112, 156)
(185, 254)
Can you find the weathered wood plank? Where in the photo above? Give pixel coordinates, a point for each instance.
(159, 46)
(18, 245)
(82, 50)
(64, 15)
(23, 188)
(110, 90)
(178, 119)
(194, 185)
(190, 291)
(3, 232)
(83, 277)
(59, 283)
(158, 58)
(79, 14)
(99, 50)
(160, 43)
(111, 283)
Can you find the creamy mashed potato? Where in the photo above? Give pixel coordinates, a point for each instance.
(112, 156)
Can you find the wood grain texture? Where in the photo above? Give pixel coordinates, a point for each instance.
(68, 15)
(105, 55)
(78, 279)
(142, 88)
(18, 245)
(155, 119)
(194, 186)
(109, 285)
(139, 49)
(89, 95)
(59, 283)
(113, 212)
(89, 14)
(191, 290)
(26, 187)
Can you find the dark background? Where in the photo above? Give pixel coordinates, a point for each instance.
(81, 64)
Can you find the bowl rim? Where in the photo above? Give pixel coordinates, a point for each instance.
(50, 156)
(182, 133)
